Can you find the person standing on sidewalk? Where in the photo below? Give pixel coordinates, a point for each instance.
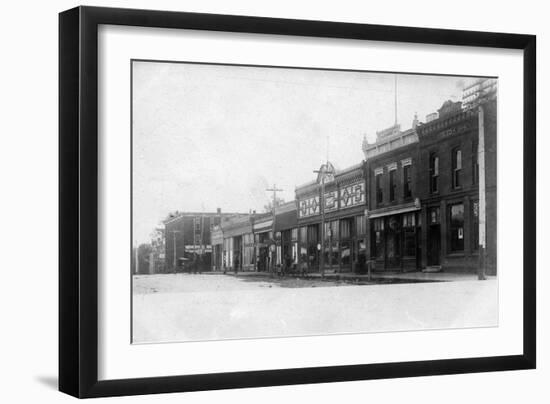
(303, 264)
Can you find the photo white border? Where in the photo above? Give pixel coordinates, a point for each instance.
(118, 359)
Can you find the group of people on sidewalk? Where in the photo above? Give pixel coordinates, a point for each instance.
(280, 269)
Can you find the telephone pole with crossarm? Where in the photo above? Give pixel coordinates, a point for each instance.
(274, 189)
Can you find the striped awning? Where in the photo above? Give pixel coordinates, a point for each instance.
(267, 225)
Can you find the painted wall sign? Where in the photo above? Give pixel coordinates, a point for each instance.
(352, 195)
(309, 207)
(331, 201)
(455, 131)
(348, 196)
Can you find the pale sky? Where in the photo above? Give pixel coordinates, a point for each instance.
(207, 136)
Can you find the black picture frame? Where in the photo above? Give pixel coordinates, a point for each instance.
(78, 201)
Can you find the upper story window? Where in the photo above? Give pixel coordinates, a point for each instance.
(392, 185)
(475, 164)
(379, 192)
(457, 168)
(198, 223)
(407, 191)
(434, 173)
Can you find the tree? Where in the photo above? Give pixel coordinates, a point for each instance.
(144, 250)
(157, 239)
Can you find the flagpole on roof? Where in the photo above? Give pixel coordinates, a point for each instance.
(395, 100)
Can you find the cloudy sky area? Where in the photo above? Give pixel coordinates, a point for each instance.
(209, 136)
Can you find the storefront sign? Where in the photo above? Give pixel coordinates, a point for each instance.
(352, 195)
(331, 201)
(309, 207)
(348, 196)
(455, 131)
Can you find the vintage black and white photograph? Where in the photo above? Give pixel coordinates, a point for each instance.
(284, 202)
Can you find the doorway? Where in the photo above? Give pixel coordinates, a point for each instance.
(434, 245)
(393, 243)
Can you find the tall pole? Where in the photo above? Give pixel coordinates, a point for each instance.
(328, 140)
(203, 245)
(482, 196)
(322, 200)
(323, 172)
(194, 237)
(274, 190)
(395, 98)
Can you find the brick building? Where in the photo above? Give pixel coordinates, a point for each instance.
(188, 236)
(392, 174)
(449, 187)
(432, 192)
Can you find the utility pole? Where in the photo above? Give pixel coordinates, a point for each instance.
(324, 172)
(203, 247)
(174, 237)
(482, 193)
(274, 189)
(322, 242)
(484, 96)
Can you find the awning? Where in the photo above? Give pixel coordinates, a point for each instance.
(286, 220)
(267, 225)
(394, 210)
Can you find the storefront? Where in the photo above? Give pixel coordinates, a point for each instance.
(217, 248)
(308, 247)
(452, 233)
(345, 244)
(227, 254)
(395, 235)
(286, 237)
(353, 244)
(263, 226)
(238, 244)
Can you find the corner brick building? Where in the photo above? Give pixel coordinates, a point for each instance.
(449, 189)
(393, 210)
